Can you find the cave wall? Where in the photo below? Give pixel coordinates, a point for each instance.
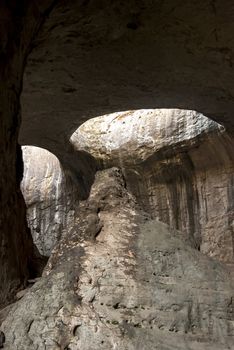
(19, 23)
(147, 54)
(192, 191)
(15, 240)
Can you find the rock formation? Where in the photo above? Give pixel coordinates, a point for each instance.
(52, 194)
(48, 198)
(120, 280)
(179, 165)
(95, 57)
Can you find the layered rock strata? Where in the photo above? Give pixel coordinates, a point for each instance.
(120, 280)
(179, 165)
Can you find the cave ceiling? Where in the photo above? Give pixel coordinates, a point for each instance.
(97, 57)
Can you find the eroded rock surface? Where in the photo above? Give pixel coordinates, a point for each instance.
(48, 196)
(131, 137)
(180, 166)
(120, 280)
(172, 47)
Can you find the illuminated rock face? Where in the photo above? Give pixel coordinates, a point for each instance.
(48, 198)
(132, 137)
(180, 166)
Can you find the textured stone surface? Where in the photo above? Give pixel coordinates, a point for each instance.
(120, 280)
(180, 166)
(94, 58)
(49, 198)
(132, 137)
(52, 193)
